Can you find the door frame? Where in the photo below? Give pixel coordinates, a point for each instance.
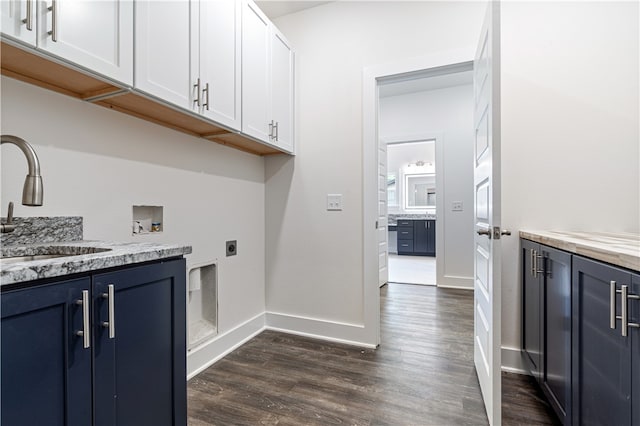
(438, 139)
(437, 64)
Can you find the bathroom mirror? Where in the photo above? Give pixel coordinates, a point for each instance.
(420, 191)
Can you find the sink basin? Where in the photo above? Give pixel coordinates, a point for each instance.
(30, 253)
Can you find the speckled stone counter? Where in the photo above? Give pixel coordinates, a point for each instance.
(617, 249)
(394, 218)
(84, 256)
(31, 230)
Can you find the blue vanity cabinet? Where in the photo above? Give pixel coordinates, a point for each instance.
(141, 366)
(46, 369)
(133, 371)
(605, 362)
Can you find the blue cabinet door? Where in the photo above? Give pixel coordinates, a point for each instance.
(420, 235)
(46, 370)
(532, 309)
(140, 371)
(556, 373)
(601, 356)
(431, 237)
(635, 351)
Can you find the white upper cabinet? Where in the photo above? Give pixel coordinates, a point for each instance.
(282, 79)
(162, 60)
(97, 35)
(267, 81)
(19, 19)
(188, 53)
(256, 120)
(220, 55)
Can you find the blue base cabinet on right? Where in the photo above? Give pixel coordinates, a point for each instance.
(130, 371)
(606, 352)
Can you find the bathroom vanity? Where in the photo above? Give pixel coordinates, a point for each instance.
(93, 333)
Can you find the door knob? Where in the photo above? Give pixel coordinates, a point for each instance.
(483, 232)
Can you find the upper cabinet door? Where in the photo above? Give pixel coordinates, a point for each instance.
(97, 35)
(162, 50)
(19, 19)
(220, 56)
(256, 120)
(282, 91)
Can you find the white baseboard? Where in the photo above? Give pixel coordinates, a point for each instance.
(512, 361)
(450, 281)
(350, 334)
(205, 355)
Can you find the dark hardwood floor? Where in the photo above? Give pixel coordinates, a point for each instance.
(422, 374)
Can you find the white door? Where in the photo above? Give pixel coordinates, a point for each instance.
(281, 91)
(220, 56)
(97, 35)
(162, 50)
(383, 231)
(19, 19)
(255, 73)
(487, 287)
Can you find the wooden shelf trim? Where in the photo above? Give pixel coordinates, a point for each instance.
(25, 64)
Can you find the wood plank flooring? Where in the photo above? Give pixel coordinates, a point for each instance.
(422, 374)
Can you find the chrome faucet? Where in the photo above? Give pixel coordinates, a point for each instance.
(33, 189)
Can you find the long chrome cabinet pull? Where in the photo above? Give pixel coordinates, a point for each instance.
(54, 21)
(271, 128)
(624, 308)
(206, 102)
(612, 305)
(109, 295)
(532, 257)
(196, 101)
(277, 132)
(29, 19)
(84, 333)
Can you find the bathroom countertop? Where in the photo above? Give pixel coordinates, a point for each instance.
(84, 256)
(393, 219)
(621, 249)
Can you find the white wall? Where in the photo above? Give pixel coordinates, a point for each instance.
(97, 163)
(314, 257)
(570, 138)
(448, 113)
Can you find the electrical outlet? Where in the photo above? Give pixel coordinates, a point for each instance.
(456, 206)
(232, 248)
(334, 202)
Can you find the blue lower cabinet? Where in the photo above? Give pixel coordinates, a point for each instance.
(46, 370)
(137, 347)
(605, 362)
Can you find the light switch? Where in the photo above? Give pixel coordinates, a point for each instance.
(456, 206)
(334, 201)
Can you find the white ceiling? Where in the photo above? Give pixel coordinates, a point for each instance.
(426, 83)
(274, 9)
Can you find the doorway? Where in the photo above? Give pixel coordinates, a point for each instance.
(425, 130)
(411, 203)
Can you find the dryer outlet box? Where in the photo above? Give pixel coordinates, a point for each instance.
(232, 248)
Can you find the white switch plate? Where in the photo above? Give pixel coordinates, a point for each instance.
(456, 206)
(334, 202)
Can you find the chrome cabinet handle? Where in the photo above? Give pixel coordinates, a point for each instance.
(271, 129)
(625, 310)
(196, 101)
(29, 19)
(206, 90)
(277, 131)
(111, 325)
(532, 258)
(54, 21)
(612, 305)
(84, 333)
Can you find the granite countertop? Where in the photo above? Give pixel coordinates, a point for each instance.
(84, 256)
(617, 249)
(394, 218)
